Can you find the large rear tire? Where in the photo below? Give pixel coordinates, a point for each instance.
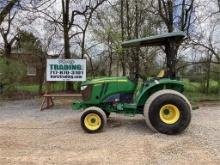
(93, 120)
(167, 111)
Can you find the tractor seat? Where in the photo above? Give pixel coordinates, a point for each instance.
(161, 74)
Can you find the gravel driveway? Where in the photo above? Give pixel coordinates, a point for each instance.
(28, 136)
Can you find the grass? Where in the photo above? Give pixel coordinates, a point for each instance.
(28, 88)
(193, 91)
(33, 88)
(199, 97)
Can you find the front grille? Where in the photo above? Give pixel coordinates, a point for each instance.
(86, 93)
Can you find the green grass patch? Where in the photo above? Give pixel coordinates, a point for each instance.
(28, 88)
(191, 86)
(33, 88)
(195, 97)
(195, 91)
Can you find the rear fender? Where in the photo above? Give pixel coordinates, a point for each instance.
(158, 85)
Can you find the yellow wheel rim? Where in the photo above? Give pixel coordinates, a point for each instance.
(92, 121)
(169, 114)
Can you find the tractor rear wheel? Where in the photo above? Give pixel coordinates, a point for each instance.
(93, 120)
(167, 111)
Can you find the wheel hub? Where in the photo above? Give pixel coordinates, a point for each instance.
(169, 114)
(92, 121)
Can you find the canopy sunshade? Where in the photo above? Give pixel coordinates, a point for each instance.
(155, 40)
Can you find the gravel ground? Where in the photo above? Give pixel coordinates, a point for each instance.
(28, 136)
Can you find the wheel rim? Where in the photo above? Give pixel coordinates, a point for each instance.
(92, 121)
(169, 114)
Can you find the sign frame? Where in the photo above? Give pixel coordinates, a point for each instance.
(66, 70)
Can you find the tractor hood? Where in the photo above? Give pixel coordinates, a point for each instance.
(106, 80)
(97, 90)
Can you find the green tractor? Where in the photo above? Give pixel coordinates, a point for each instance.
(159, 100)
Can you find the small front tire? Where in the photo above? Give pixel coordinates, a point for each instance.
(93, 120)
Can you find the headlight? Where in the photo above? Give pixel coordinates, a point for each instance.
(83, 87)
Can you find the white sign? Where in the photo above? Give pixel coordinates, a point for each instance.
(66, 70)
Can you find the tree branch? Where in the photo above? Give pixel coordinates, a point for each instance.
(7, 9)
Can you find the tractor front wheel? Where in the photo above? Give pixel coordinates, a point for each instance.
(93, 120)
(167, 111)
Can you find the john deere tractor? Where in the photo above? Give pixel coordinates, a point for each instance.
(159, 100)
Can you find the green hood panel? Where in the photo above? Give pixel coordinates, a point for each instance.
(107, 86)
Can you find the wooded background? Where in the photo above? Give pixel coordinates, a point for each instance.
(94, 30)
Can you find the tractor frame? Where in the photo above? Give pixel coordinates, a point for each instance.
(159, 99)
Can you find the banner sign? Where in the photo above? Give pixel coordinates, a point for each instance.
(66, 70)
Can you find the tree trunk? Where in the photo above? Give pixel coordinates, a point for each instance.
(170, 16)
(110, 55)
(69, 85)
(7, 50)
(207, 79)
(137, 50)
(83, 44)
(7, 9)
(41, 81)
(65, 9)
(219, 5)
(42, 73)
(110, 63)
(66, 44)
(128, 32)
(110, 67)
(91, 65)
(171, 49)
(208, 74)
(122, 58)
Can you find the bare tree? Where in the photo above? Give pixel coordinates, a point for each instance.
(88, 18)
(8, 38)
(123, 20)
(44, 55)
(176, 15)
(218, 4)
(122, 59)
(67, 20)
(7, 9)
(207, 42)
(136, 21)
